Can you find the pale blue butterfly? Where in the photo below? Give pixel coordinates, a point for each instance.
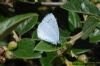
(48, 29)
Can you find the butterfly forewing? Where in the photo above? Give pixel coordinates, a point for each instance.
(48, 29)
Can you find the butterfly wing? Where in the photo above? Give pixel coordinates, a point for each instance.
(48, 29)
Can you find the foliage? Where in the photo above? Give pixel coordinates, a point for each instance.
(82, 22)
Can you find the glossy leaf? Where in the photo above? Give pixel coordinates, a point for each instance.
(79, 63)
(78, 51)
(25, 50)
(9, 24)
(89, 26)
(34, 35)
(48, 59)
(74, 20)
(73, 5)
(81, 6)
(95, 37)
(27, 25)
(64, 33)
(89, 7)
(46, 47)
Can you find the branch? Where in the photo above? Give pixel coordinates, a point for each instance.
(69, 43)
(74, 38)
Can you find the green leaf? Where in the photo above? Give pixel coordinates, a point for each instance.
(95, 36)
(81, 6)
(77, 51)
(34, 35)
(89, 7)
(25, 50)
(64, 33)
(46, 47)
(89, 26)
(2, 18)
(48, 59)
(3, 43)
(74, 6)
(27, 25)
(9, 24)
(95, 39)
(98, 26)
(79, 63)
(74, 20)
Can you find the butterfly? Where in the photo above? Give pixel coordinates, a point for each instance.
(48, 29)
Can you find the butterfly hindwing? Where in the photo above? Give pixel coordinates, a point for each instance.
(48, 29)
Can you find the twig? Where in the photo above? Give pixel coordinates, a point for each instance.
(68, 63)
(54, 3)
(51, 3)
(15, 36)
(74, 38)
(69, 43)
(7, 2)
